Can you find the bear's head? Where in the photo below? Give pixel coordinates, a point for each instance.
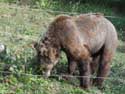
(47, 57)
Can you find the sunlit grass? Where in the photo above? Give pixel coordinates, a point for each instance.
(19, 28)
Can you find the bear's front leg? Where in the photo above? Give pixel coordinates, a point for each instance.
(72, 64)
(84, 70)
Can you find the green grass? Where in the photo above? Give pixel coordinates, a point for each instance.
(19, 27)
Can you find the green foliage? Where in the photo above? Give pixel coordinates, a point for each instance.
(9, 1)
(19, 27)
(119, 24)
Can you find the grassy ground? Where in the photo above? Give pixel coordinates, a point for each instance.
(19, 27)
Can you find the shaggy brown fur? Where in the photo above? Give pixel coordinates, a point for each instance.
(89, 40)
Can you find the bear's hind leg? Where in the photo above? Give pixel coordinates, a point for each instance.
(104, 67)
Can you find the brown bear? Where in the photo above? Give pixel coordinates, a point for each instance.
(89, 41)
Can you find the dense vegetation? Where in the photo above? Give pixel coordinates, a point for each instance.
(20, 26)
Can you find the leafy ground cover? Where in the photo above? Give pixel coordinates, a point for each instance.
(19, 27)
